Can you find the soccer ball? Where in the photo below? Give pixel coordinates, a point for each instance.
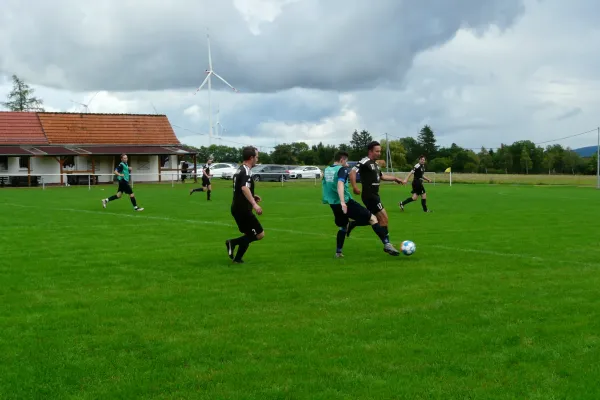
(408, 247)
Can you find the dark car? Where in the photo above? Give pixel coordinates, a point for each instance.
(351, 164)
(270, 172)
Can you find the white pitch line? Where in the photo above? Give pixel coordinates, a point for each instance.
(217, 223)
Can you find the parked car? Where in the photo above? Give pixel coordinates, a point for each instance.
(305, 171)
(223, 170)
(351, 164)
(270, 172)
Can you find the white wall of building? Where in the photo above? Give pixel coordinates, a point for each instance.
(144, 168)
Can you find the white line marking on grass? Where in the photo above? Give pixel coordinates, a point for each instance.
(218, 223)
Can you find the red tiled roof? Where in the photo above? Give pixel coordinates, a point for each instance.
(21, 128)
(92, 129)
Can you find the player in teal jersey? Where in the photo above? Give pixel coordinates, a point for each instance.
(122, 171)
(336, 193)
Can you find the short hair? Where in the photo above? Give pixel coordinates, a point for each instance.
(248, 152)
(422, 156)
(123, 155)
(372, 145)
(341, 154)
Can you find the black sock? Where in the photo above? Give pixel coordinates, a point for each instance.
(208, 194)
(198, 190)
(341, 236)
(113, 197)
(387, 233)
(381, 232)
(243, 243)
(424, 204)
(409, 200)
(133, 201)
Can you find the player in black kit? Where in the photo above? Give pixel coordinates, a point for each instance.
(417, 185)
(205, 180)
(370, 178)
(244, 201)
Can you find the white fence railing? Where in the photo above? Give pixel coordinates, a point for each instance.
(167, 176)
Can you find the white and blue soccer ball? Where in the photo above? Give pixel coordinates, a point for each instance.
(408, 247)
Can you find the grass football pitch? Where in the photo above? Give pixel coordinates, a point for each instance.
(500, 301)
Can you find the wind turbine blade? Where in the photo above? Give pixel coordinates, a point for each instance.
(224, 81)
(203, 83)
(209, 55)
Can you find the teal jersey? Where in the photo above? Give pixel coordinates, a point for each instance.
(123, 168)
(332, 175)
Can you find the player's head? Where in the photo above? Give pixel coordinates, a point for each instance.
(374, 150)
(124, 157)
(210, 160)
(341, 157)
(250, 156)
(422, 160)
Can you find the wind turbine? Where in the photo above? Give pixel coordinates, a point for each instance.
(219, 133)
(86, 107)
(210, 72)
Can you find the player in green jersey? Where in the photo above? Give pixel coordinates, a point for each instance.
(336, 193)
(122, 171)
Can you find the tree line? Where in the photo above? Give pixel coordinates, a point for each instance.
(520, 157)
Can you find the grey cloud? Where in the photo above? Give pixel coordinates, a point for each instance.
(330, 45)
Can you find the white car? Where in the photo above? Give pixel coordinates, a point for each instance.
(223, 170)
(305, 171)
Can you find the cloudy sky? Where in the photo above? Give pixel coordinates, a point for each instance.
(480, 72)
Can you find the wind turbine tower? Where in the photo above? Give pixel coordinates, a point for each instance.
(208, 80)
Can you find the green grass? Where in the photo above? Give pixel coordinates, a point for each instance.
(500, 301)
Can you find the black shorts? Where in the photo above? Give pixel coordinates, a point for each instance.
(247, 222)
(418, 188)
(373, 203)
(124, 187)
(356, 212)
(205, 181)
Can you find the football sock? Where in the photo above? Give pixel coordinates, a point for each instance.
(424, 204)
(341, 236)
(208, 194)
(198, 190)
(243, 242)
(409, 200)
(381, 232)
(387, 233)
(113, 197)
(133, 201)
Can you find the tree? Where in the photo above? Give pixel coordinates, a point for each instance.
(426, 141)
(571, 160)
(21, 97)
(413, 150)
(526, 162)
(485, 159)
(549, 161)
(359, 142)
(398, 153)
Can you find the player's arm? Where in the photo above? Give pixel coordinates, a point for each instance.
(119, 170)
(427, 179)
(353, 172)
(342, 175)
(409, 175)
(391, 178)
(248, 194)
(204, 173)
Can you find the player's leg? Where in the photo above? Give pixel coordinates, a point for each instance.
(413, 197)
(114, 196)
(129, 191)
(424, 200)
(208, 190)
(341, 220)
(252, 231)
(363, 216)
(200, 189)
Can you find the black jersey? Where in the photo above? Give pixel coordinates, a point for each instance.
(206, 168)
(242, 178)
(418, 172)
(370, 176)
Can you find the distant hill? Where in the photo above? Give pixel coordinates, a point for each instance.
(587, 151)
